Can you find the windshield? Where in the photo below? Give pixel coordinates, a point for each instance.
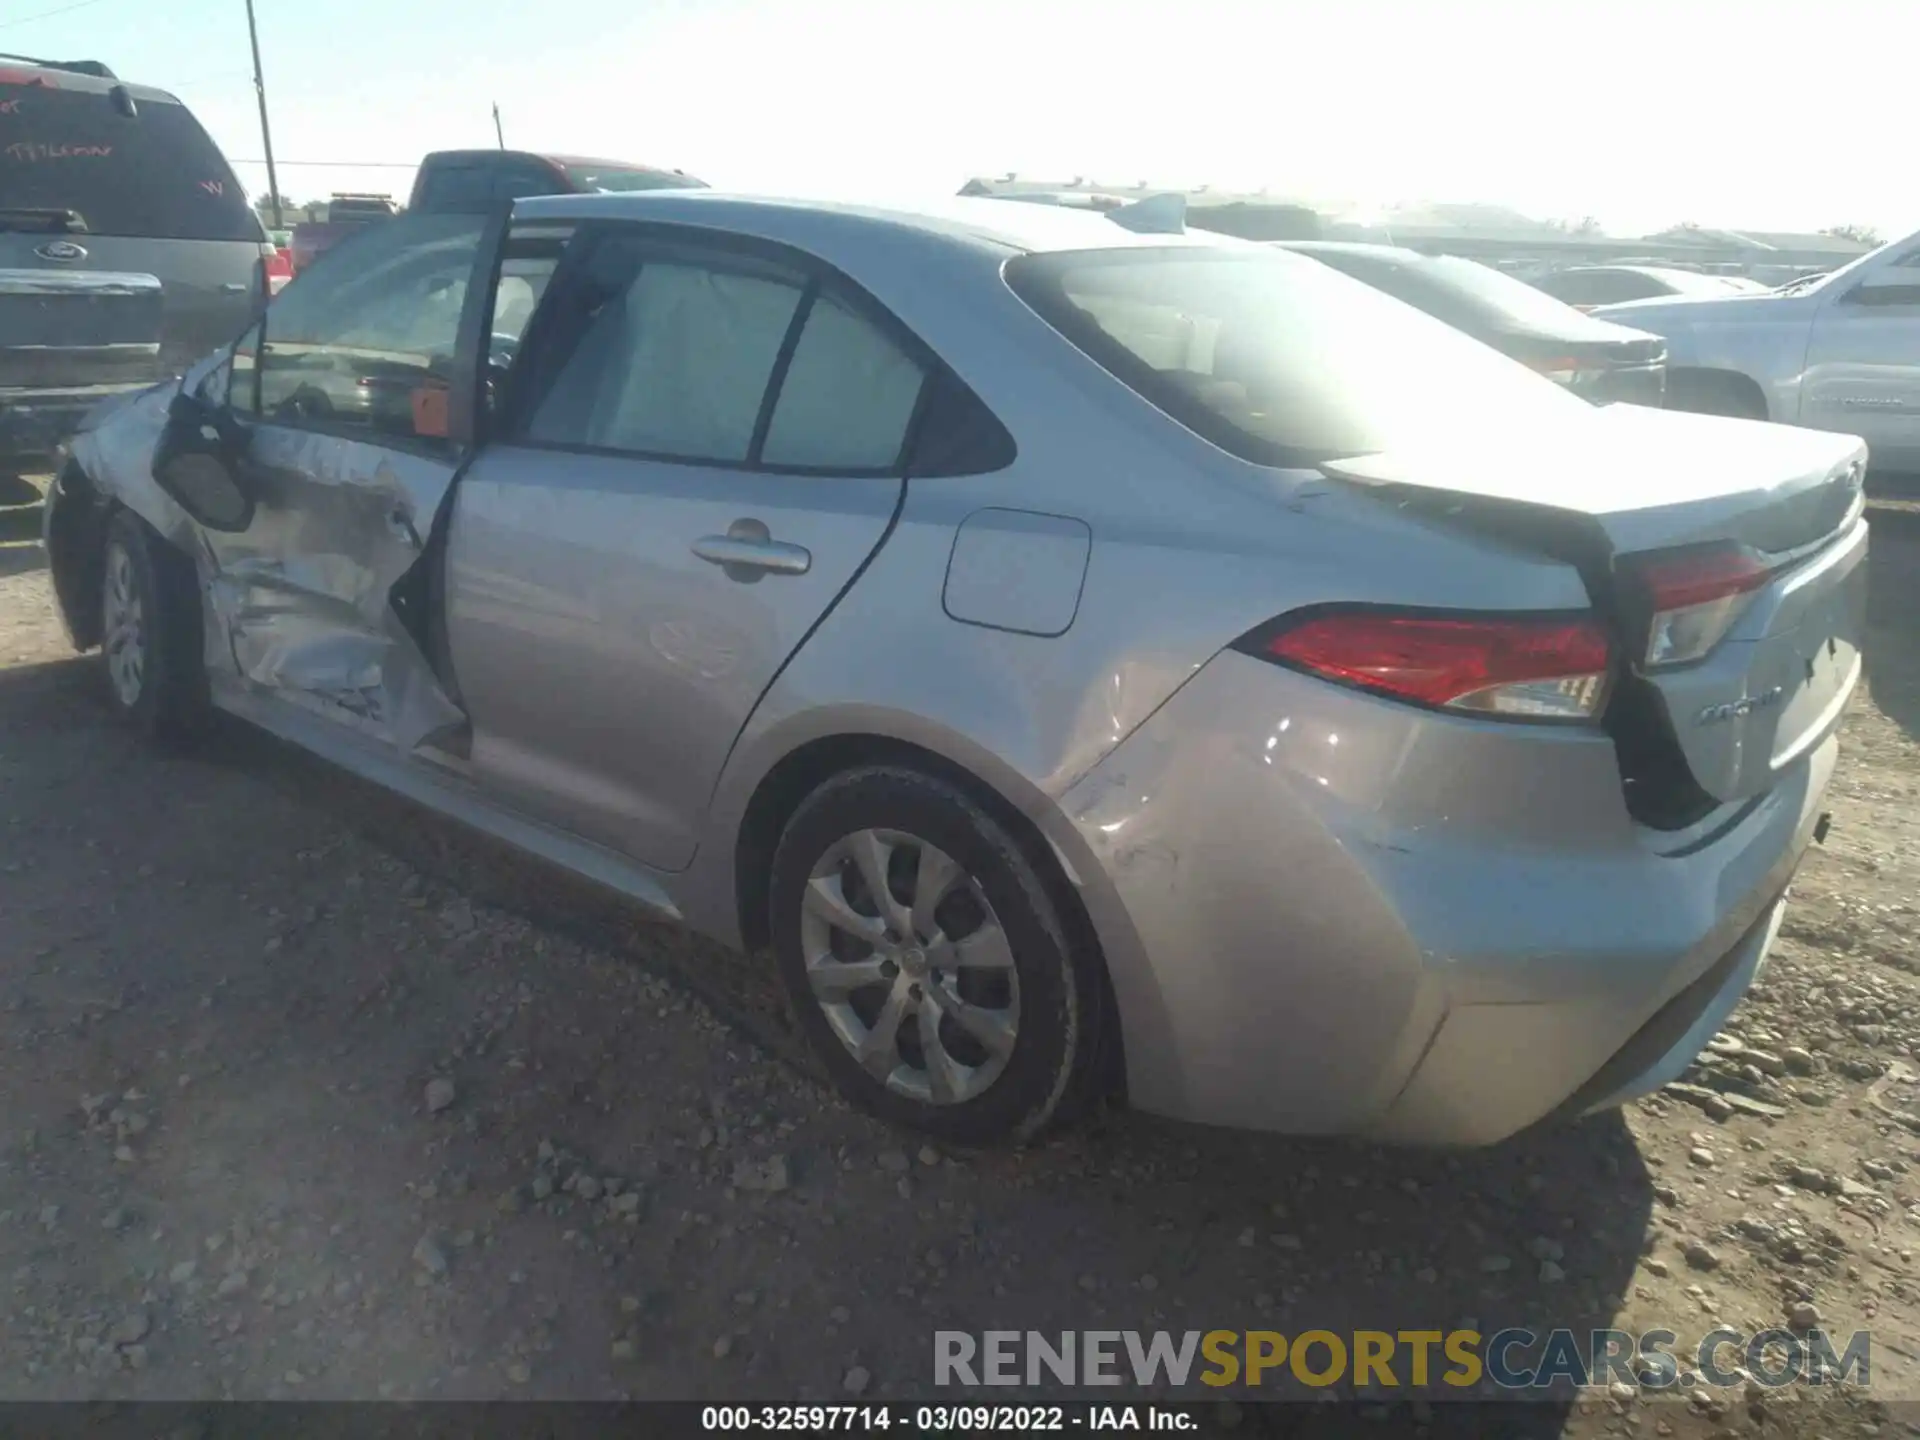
(155, 175)
(1461, 292)
(609, 179)
(1276, 359)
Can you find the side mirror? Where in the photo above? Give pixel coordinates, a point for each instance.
(195, 462)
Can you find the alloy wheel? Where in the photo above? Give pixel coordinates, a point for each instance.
(908, 962)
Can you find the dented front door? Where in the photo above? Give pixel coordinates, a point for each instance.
(340, 399)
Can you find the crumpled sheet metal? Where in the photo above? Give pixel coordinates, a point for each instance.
(115, 446)
(299, 601)
(305, 590)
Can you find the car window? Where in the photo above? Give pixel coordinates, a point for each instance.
(365, 338)
(152, 175)
(614, 179)
(673, 359)
(847, 398)
(1277, 361)
(514, 179)
(462, 187)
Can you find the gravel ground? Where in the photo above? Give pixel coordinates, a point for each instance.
(304, 1094)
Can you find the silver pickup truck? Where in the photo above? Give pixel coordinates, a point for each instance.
(1839, 351)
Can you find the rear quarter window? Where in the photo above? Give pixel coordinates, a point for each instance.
(154, 175)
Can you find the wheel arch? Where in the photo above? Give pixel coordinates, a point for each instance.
(1694, 387)
(802, 769)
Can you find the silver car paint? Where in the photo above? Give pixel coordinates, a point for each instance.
(1358, 905)
(1818, 360)
(606, 669)
(1290, 925)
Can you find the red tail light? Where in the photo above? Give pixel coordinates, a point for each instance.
(1533, 667)
(1693, 598)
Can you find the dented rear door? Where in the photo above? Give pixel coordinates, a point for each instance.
(343, 398)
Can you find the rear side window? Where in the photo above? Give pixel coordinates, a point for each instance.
(155, 175)
(676, 364)
(516, 179)
(1274, 359)
(848, 396)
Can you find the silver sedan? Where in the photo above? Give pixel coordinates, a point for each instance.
(1086, 657)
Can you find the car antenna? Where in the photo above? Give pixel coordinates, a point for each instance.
(1155, 215)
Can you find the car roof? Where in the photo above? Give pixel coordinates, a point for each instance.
(964, 221)
(55, 78)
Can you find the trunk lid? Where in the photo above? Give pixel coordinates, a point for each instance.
(69, 329)
(1614, 486)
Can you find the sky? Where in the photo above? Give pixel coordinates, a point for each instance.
(1640, 114)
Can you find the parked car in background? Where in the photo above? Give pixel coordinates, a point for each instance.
(1839, 351)
(1068, 650)
(1586, 286)
(1598, 361)
(475, 181)
(127, 248)
(346, 214)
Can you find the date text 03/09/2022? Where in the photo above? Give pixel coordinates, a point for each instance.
(935, 1419)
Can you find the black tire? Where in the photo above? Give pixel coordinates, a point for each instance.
(167, 701)
(1056, 1064)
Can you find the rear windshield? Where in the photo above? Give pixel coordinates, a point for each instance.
(1277, 359)
(610, 179)
(155, 175)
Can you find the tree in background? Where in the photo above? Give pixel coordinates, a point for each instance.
(1859, 234)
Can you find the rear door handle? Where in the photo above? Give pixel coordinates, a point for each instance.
(747, 547)
(233, 287)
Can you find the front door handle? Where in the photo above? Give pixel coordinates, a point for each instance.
(748, 551)
(233, 287)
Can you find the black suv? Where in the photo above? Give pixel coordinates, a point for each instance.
(127, 247)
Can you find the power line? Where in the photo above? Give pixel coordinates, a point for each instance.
(47, 14)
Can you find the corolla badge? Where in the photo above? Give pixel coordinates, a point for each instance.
(1736, 709)
(61, 250)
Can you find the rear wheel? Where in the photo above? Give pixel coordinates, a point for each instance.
(150, 647)
(927, 962)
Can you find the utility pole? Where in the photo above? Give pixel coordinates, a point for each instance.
(498, 134)
(266, 132)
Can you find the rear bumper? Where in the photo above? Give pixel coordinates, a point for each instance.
(1335, 914)
(35, 423)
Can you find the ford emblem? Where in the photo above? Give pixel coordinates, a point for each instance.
(61, 250)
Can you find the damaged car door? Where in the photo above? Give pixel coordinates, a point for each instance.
(338, 427)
